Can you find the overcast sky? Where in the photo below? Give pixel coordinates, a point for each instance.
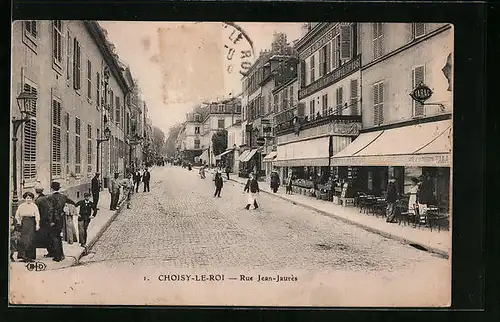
(179, 65)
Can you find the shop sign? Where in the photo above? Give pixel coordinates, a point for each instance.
(421, 93)
(346, 128)
(416, 160)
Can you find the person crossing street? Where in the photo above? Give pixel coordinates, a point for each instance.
(218, 184)
(252, 187)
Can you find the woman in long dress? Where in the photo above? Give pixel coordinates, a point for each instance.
(69, 232)
(28, 216)
(413, 206)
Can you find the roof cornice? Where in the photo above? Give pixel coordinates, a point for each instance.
(317, 30)
(100, 39)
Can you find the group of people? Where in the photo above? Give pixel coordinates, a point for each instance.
(40, 220)
(131, 182)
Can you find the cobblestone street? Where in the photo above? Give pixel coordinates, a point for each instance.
(180, 224)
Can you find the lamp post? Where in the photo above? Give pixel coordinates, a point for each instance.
(107, 135)
(25, 102)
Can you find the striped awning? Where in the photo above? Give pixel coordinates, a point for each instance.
(270, 157)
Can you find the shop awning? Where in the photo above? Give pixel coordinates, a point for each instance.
(420, 145)
(243, 155)
(204, 155)
(313, 152)
(218, 157)
(249, 155)
(270, 157)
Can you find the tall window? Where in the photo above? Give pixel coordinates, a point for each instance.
(336, 52)
(196, 130)
(29, 140)
(312, 109)
(324, 63)
(291, 100)
(89, 148)
(346, 38)
(220, 124)
(321, 70)
(196, 143)
(324, 101)
(56, 138)
(378, 103)
(339, 96)
(111, 104)
(417, 29)
(417, 77)
(312, 69)
(57, 41)
(68, 57)
(78, 151)
(66, 125)
(276, 104)
(354, 96)
(285, 99)
(269, 103)
(89, 79)
(77, 80)
(30, 28)
(117, 109)
(378, 39)
(98, 89)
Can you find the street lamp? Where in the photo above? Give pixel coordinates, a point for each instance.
(26, 102)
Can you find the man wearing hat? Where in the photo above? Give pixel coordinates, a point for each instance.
(96, 189)
(45, 210)
(114, 190)
(84, 217)
(58, 200)
(392, 197)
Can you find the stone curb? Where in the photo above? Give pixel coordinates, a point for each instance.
(401, 239)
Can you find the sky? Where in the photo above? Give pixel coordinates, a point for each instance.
(180, 65)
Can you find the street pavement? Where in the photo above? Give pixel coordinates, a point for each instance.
(180, 228)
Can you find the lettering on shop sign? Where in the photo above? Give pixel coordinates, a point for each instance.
(346, 128)
(421, 93)
(238, 48)
(399, 160)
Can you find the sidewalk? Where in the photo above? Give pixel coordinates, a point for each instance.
(73, 252)
(436, 242)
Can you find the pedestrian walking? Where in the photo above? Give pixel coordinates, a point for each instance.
(202, 172)
(218, 184)
(114, 190)
(228, 170)
(137, 180)
(252, 187)
(84, 217)
(128, 189)
(58, 201)
(289, 184)
(96, 190)
(45, 210)
(146, 177)
(69, 231)
(275, 181)
(391, 198)
(28, 215)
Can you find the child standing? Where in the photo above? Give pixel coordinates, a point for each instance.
(84, 217)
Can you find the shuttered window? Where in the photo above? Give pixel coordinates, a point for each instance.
(66, 125)
(117, 109)
(89, 148)
(30, 28)
(77, 80)
(98, 89)
(290, 97)
(312, 69)
(111, 104)
(378, 39)
(89, 79)
(301, 109)
(29, 139)
(321, 69)
(78, 151)
(324, 101)
(302, 73)
(346, 42)
(336, 52)
(418, 29)
(378, 103)
(285, 99)
(312, 109)
(276, 104)
(417, 77)
(339, 99)
(68, 56)
(56, 139)
(354, 97)
(57, 41)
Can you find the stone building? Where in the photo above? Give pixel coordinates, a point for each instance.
(81, 90)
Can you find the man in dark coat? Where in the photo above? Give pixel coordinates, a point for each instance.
(146, 177)
(84, 217)
(114, 190)
(57, 201)
(275, 181)
(252, 187)
(45, 210)
(392, 197)
(228, 170)
(137, 180)
(218, 184)
(95, 189)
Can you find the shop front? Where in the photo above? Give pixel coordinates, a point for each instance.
(419, 151)
(223, 159)
(248, 163)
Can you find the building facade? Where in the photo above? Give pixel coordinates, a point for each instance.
(402, 137)
(327, 116)
(81, 90)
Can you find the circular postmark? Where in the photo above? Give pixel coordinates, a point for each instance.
(238, 49)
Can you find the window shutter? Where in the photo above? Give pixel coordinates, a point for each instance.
(68, 56)
(380, 31)
(56, 138)
(29, 141)
(381, 103)
(417, 78)
(302, 73)
(418, 29)
(327, 58)
(375, 105)
(346, 42)
(354, 96)
(374, 38)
